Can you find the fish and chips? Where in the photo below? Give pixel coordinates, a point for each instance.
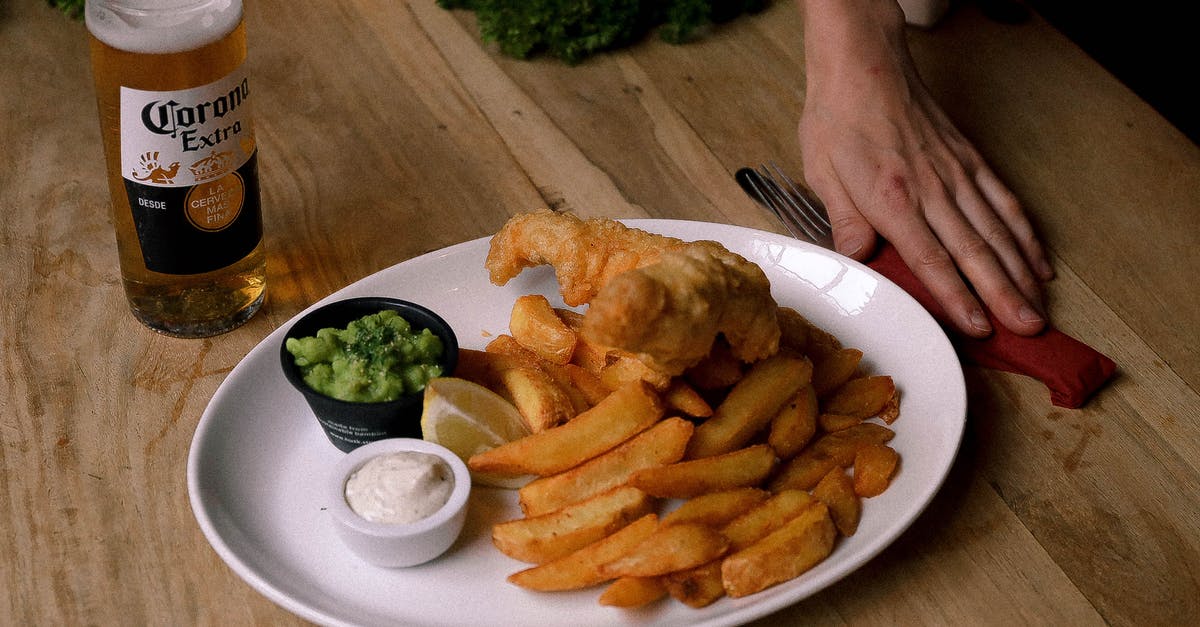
(689, 437)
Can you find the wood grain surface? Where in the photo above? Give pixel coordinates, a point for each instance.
(387, 130)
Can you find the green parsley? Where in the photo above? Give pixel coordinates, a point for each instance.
(573, 30)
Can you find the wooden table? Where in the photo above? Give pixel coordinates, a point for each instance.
(387, 130)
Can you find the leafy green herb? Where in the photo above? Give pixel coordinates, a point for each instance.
(572, 30)
(73, 8)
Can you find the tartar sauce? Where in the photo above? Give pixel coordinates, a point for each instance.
(400, 487)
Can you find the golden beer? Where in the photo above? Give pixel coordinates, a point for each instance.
(182, 160)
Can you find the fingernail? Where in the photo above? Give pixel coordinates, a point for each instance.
(979, 320)
(1045, 268)
(851, 247)
(1027, 314)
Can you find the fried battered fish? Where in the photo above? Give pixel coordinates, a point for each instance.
(585, 254)
(661, 298)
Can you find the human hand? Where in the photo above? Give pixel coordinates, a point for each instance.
(886, 160)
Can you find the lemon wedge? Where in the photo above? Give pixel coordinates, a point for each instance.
(468, 418)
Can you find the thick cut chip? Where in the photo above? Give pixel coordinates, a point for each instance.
(508, 346)
(587, 382)
(697, 587)
(505, 344)
(828, 452)
(836, 491)
(716, 508)
(633, 592)
(539, 398)
(670, 549)
(737, 469)
(587, 355)
(684, 398)
(836, 422)
(781, 556)
(874, 466)
(836, 368)
(536, 325)
(760, 521)
(664, 443)
(861, 398)
(591, 357)
(624, 413)
(547, 537)
(750, 405)
(583, 567)
(891, 411)
(702, 585)
(795, 424)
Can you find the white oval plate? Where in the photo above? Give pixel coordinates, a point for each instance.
(258, 457)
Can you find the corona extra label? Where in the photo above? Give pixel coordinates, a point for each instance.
(187, 157)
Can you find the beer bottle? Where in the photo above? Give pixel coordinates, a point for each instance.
(175, 106)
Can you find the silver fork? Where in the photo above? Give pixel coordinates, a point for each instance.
(798, 209)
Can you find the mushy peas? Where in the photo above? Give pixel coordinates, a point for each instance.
(376, 358)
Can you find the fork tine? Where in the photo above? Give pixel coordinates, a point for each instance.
(790, 210)
(803, 218)
(796, 208)
(814, 214)
(776, 199)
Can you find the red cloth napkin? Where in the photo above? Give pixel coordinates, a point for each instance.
(1071, 369)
